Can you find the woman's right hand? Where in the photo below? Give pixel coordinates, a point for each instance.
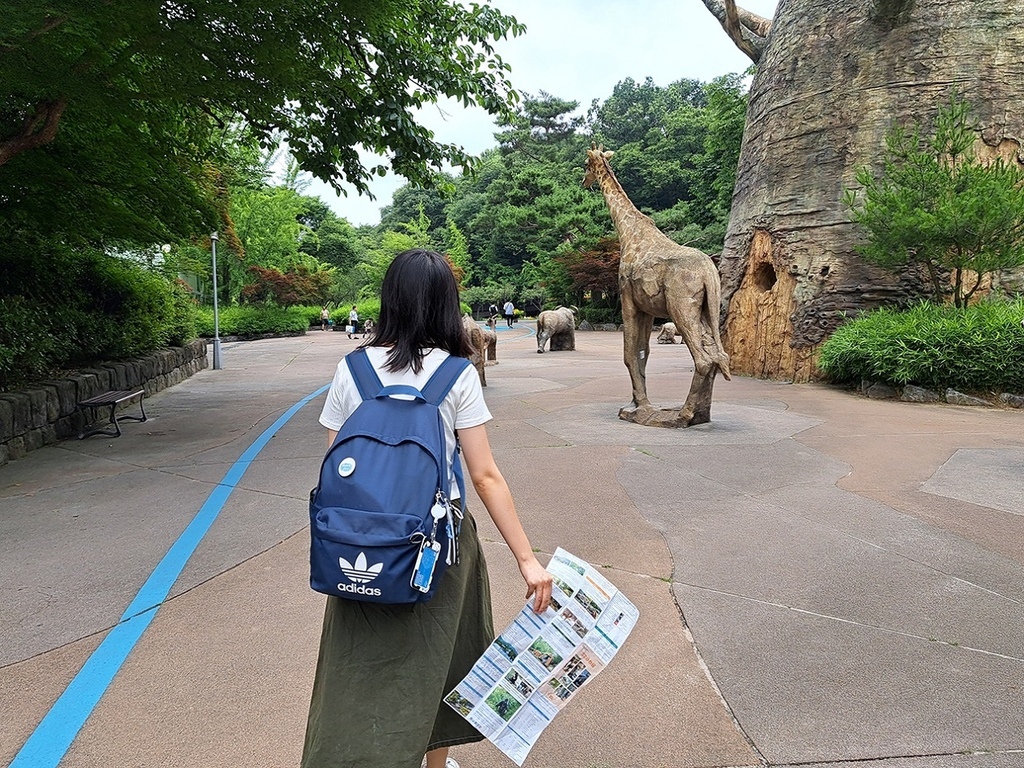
(538, 583)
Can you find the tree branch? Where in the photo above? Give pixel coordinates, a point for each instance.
(37, 129)
(747, 30)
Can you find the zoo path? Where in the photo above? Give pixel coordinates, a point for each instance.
(823, 579)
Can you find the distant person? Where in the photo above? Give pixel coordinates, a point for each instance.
(325, 318)
(368, 326)
(353, 322)
(510, 312)
(493, 310)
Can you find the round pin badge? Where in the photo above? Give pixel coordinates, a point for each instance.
(347, 466)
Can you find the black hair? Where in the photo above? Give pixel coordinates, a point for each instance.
(419, 309)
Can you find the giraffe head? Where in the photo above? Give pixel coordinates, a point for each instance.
(597, 157)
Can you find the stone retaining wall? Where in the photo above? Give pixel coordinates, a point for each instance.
(47, 412)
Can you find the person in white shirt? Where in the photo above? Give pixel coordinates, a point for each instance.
(510, 312)
(353, 321)
(382, 669)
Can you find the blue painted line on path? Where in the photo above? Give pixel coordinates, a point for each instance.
(52, 738)
(525, 330)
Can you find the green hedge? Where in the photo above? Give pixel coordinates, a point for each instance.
(254, 321)
(600, 315)
(980, 348)
(366, 308)
(64, 308)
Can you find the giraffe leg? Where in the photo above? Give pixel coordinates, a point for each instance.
(634, 350)
(687, 317)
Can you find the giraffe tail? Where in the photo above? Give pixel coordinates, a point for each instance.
(712, 305)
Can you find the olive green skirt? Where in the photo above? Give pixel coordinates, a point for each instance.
(383, 671)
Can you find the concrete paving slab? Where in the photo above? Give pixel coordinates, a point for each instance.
(995, 531)
(652, 708)
(991, 478)
(225, 674)
(250, 524)
(599, 424)
(69, 557)
(57, 467)
(906, 536)
(28, 689)
(570, 497)
(768, 554)
(975, 760)
(807, 688)
(785, 463)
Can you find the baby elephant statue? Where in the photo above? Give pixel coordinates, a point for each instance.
(668, 334)
(558, 325)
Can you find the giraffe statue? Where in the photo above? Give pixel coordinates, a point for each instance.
(660, 278)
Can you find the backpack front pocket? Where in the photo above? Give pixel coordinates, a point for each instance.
(366, 556)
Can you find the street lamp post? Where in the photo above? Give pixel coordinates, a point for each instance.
(216, 316)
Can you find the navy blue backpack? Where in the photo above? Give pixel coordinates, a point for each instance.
(382, 526)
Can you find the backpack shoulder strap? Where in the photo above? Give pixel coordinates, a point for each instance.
(444, 378)
(367, 381)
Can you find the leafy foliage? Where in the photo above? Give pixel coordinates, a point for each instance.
(977, 348)
(298, 285)
(935, 205)
(112, 117)
(254, 321)
(64, 308)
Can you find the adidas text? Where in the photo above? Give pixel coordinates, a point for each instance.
(359, 589)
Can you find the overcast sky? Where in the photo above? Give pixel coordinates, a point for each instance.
(578, 50)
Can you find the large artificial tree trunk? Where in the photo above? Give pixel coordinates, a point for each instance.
(833, 76)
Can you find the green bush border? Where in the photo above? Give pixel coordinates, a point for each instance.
(976, 349)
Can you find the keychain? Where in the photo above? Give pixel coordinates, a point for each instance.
(423, 572)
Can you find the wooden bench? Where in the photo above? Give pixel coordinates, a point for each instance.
(111, 399)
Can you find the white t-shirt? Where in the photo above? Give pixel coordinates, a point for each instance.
(462, 408)
(509, 308)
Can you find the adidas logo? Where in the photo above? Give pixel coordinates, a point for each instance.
(359, 572)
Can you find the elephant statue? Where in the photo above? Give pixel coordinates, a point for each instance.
(479, 344)
(558, 325)
(668, 334)
(491, 338)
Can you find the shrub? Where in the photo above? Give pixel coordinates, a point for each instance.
(63, 308)
(600, 315)
(365, 307)
(977, 348)
(254, 321)
(28, 347)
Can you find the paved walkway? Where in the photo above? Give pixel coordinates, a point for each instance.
(823, 579)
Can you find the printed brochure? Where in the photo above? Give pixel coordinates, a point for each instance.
(536, 666)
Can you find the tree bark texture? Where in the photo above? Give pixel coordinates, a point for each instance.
(834, 77)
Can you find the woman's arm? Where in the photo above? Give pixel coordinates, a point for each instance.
(490, 485)
(331, 434)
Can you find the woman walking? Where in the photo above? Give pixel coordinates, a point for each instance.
(383, 670)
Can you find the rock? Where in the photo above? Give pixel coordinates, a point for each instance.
(915, 394)
(1014, 401)
(959, 398)
(21, 413)
(6, 421)
(586, 326)
(880, 391)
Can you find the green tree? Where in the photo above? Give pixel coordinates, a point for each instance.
(409, 200)
(457, 250)
(110, 115)
(935, 205)
(296, 285)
